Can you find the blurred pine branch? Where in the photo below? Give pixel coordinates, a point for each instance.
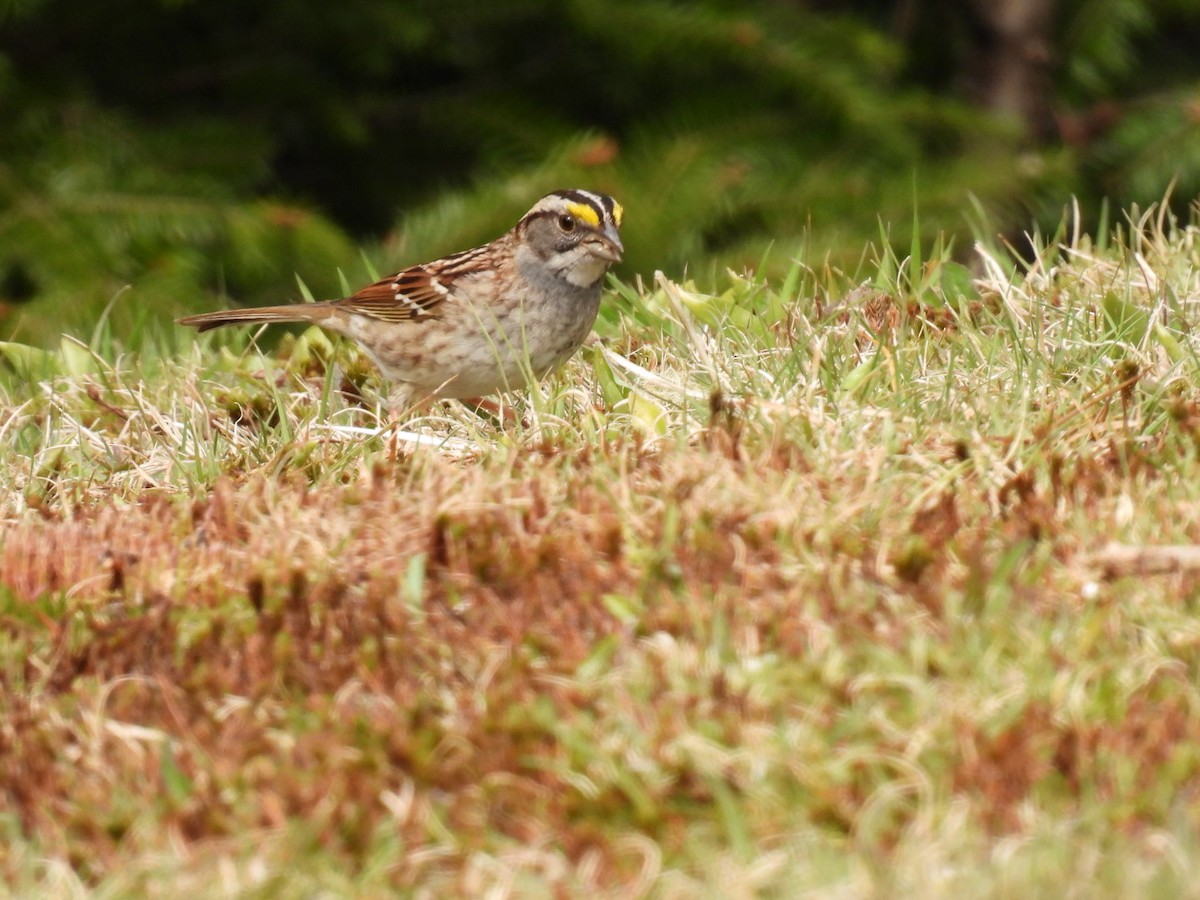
(203, 153)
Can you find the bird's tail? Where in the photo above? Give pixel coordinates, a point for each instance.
(297, 312)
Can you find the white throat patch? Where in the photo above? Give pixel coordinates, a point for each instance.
(583, 269)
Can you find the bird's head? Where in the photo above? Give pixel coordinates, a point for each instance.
(575, 232)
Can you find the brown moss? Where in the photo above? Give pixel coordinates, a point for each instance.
(280, 639)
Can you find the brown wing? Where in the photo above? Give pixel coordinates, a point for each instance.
(411, 295)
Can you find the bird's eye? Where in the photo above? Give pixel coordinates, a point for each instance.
(566, 223)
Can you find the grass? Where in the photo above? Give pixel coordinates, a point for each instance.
(809, 587)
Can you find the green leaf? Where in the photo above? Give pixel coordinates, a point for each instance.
(175, 781)
(414, 583)
(31, 363)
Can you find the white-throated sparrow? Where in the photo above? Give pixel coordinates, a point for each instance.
(478, 322)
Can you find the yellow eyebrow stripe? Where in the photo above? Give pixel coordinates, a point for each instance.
(618, 211)
(584, 213)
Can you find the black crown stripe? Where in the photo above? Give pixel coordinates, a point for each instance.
(588, 199)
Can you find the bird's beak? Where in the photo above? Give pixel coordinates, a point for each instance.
(606, 245)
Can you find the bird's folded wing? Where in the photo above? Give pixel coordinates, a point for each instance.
(410, 296)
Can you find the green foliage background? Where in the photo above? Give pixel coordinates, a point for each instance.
(163, 155)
